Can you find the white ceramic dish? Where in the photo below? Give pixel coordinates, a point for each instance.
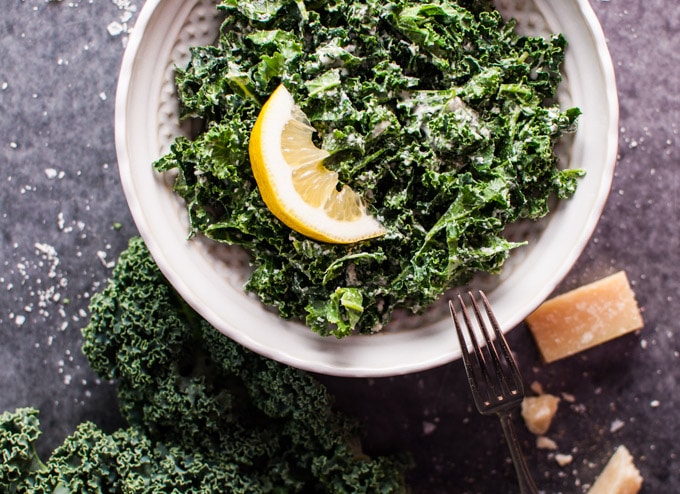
(146, 122)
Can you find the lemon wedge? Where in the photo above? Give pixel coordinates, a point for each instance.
(295, 185)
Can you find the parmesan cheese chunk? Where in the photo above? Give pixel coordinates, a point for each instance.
(619, 476)
(585, 317)
(538, 412)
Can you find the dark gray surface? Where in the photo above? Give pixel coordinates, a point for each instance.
(64, 219)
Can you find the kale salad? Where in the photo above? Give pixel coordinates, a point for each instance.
(439, 115)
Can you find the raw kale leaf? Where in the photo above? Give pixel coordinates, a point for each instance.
(438, 114)
(204, 413)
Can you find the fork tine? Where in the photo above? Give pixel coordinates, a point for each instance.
(470, 369)
(505, 361)
(488, 354)
(475, 361)
(492, 371)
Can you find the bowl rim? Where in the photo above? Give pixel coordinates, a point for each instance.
(346, 357)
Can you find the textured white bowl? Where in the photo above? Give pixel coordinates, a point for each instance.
(210, 278)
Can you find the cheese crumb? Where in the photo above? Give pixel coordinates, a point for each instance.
(616, 425)
(585, 317)
(543, 442)
(568, 397)
(537, 387)
(115, 28)
(428, 427)
(563, 460)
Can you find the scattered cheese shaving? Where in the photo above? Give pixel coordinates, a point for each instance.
(543, 442)
(563, 460)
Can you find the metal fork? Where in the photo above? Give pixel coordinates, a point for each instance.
(492, 372)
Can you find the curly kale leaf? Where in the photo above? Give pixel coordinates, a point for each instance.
(204, 414)
(128, 460)
(439, 114)
(183, 383)
(19, 431)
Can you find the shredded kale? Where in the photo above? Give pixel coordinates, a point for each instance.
(439, 114)
(204, 414)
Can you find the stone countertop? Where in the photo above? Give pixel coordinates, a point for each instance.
(64, 221)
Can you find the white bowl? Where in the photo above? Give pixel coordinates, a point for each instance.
(210, 278)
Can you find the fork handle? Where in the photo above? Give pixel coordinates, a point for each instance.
(526, 482)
